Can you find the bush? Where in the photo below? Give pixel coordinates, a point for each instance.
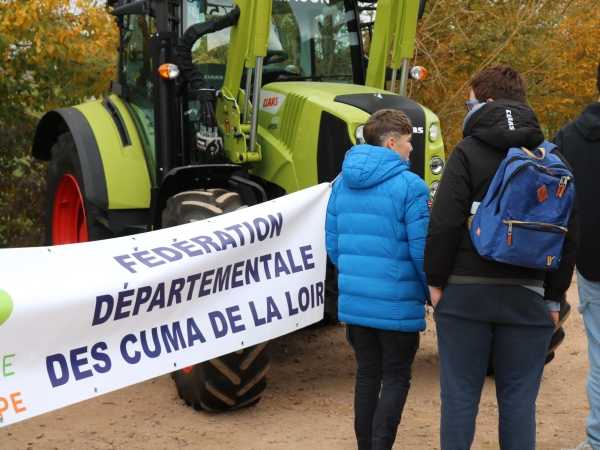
(22, 183)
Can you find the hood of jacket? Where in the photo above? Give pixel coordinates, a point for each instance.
(588, 122)
(505, 123)
(368, 165)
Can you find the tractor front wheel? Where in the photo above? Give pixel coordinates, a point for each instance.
(236, 379)
(68, 217)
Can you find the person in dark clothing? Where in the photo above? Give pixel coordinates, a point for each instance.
(483, 305)
(579, 142)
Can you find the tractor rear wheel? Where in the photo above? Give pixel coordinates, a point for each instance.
(68, 217)
(230, 381)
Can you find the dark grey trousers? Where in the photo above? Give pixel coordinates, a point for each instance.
(515, 324)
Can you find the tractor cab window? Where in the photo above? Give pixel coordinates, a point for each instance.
(308, 39)
(312, 39)
(210, 51)
(136, 70)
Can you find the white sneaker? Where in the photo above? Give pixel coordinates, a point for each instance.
(582, 446)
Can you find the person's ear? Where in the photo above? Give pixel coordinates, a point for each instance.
(489, 100)
(388, 143)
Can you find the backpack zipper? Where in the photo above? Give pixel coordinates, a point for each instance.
(519, 224)
(562, 186)
(521, 158)
(538, 167)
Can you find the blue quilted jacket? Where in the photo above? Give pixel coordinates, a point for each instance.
(376, 225)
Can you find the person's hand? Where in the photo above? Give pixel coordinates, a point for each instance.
(554, 314)
(435, 294)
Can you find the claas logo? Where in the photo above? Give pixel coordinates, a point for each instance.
(6, 306)
(271, 101)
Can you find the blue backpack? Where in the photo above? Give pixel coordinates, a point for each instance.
(523, 218)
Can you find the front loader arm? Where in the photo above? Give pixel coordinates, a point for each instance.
(248, 44)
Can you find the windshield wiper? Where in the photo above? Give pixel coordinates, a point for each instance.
(310, 77)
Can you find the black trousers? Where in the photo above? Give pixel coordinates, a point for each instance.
(384, 361)
(515, 323)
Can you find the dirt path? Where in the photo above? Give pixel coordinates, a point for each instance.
(308, 404)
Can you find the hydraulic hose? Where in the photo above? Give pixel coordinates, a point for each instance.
(189, 38)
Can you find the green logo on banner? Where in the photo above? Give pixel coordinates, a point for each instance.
(6, 306)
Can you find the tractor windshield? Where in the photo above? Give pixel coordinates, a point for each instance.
(313, 39)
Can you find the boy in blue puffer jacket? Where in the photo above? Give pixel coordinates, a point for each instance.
(376, 225)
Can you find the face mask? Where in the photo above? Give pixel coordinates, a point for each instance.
(470, 113)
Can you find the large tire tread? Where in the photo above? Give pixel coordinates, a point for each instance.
(230, 381)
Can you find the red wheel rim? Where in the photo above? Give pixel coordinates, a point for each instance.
(69, 224)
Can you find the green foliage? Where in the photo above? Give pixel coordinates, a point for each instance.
(53, 53)
(21, 188)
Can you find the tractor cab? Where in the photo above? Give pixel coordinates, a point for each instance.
(308, 41)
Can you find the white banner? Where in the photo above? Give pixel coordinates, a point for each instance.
(78, 321)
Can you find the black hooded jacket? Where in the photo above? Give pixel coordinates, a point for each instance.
(449, 253)
(579, 142)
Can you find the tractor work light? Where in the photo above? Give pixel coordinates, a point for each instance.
(168, 71)
(433, 188)
(417, 73)
(436, 165)
(434, 132)
(358, 134)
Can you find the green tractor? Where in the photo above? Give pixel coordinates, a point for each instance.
(222, 104)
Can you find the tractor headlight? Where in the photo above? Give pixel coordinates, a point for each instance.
(434, 132)
(436, 165)
(433, 188)
(358, 134)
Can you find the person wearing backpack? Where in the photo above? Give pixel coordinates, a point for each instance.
(483, 305)
(579, 142)
(376, 223)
